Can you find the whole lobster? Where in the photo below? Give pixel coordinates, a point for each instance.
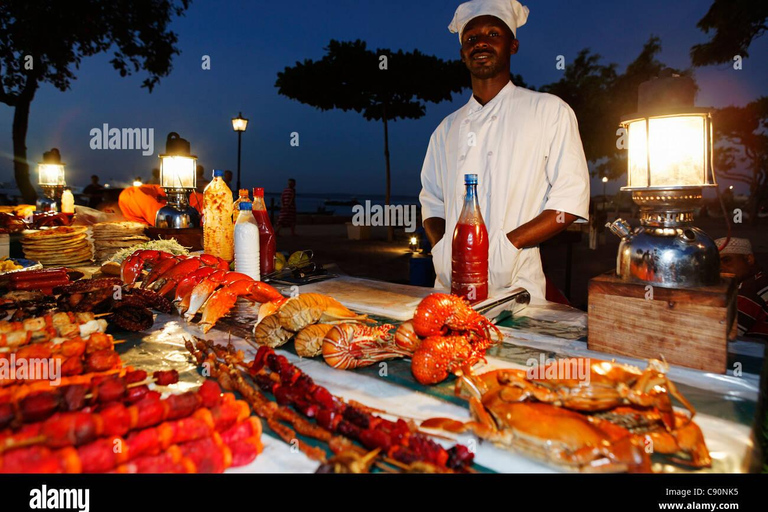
(445, 334)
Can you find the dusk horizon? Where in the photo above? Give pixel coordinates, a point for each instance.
(248, 44)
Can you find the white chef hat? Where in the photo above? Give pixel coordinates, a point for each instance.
(735, 246)
(511, 12)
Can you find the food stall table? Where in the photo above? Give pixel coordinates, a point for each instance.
(727, 405)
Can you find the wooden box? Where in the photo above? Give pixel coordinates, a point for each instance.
(687, 327)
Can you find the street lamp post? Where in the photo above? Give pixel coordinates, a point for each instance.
(605, 180)
(239, 124)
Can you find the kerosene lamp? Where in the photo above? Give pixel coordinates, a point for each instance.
(50, 177)
(178, 176)
(669, 165)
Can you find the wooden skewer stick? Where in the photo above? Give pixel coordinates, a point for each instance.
(397, 464)
(8, 444)
(385, 468)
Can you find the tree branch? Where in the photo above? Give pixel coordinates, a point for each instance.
(8, 99)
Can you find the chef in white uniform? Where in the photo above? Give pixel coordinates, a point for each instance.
(533, 180)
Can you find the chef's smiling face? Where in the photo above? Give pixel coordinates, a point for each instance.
(486, 46)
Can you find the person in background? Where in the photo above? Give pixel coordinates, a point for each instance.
(287, 217)
(155, 179)
(141, 204)
(200, 180)
(738, 259)
(94, 192)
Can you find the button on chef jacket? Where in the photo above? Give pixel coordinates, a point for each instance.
(525, 148)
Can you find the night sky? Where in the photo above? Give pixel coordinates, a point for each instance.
(250, 42)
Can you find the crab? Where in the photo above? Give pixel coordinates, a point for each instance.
(607, 385)
(554, 435)
(612, 423)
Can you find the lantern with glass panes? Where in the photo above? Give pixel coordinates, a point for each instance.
(178, 176)
(50, 177)
(669, 165)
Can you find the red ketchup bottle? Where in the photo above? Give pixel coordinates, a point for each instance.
(267, 242)
(469, 265)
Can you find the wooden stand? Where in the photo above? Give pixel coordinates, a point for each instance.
(192, 237)
(687, 327)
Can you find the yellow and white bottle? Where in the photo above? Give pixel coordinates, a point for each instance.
(218, 231)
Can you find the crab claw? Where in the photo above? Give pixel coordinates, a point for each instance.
(209, 260)
(168, 280)
(131, 268)
(203, 290)
(654, 388)
(263, 292)
(187, 284)
(159, 269)
(223, 299)
(267, 308)
(231, 277)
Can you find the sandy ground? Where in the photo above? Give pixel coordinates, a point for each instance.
(379, 259)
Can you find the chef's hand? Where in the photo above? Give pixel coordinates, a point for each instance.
(539, 229)
(435, 228)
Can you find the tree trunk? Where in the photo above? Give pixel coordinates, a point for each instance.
(20, 164)
(390, 229)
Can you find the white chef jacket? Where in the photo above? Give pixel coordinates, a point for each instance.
(525, 148)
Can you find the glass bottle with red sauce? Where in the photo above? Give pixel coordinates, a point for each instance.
(469, 251)
(267, 242)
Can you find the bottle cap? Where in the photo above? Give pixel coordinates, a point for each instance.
(258, 191)
(245, 205)
(470, 179)
(243, 192)
(217, 173)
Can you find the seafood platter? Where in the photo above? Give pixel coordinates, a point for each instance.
(190, 367)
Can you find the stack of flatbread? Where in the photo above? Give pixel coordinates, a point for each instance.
(66, 245)
(110, 237)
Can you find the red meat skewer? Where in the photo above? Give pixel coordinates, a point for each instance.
(116, 419)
